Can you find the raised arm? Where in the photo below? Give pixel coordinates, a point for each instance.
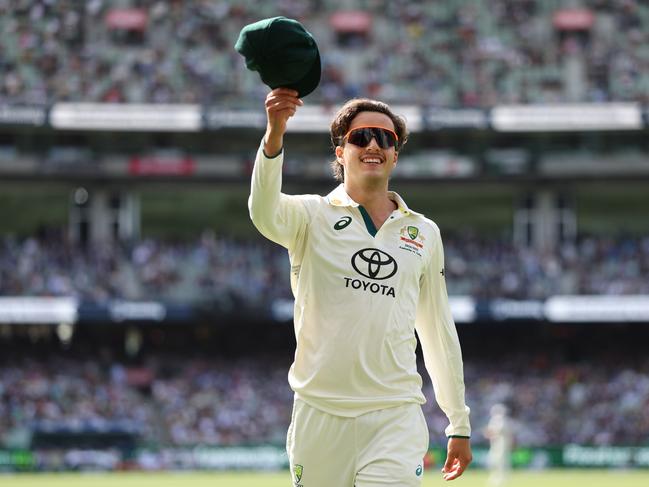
(277, 216)
(281, 104)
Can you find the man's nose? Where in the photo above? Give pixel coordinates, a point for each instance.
(373, 144)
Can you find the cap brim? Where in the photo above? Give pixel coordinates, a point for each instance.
(310, 81)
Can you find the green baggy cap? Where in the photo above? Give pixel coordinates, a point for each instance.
(283, 52)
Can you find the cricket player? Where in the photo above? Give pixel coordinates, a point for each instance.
(500, 434)
(366, 272)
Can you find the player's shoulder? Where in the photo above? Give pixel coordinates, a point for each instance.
(426, 223)
(312, 202)
(312, 199)
(427, 228)
(417, 218)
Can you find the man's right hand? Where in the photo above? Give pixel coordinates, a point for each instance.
(281, 104)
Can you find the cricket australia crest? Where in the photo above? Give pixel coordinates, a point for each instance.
(411, 239)
(297, 474)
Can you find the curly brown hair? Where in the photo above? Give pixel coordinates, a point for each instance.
(344, 117)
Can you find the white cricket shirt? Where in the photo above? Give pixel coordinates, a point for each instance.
(359, 299)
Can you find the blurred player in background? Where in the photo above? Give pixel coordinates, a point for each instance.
(500, 434)
(366, 271)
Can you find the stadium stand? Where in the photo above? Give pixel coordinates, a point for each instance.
(258, 271)
(182, 401)
(128, 366)
(474, 54)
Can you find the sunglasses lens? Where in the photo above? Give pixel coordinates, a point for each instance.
(360, 137)
(363, 136)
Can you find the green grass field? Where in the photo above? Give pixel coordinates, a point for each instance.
(555, 478)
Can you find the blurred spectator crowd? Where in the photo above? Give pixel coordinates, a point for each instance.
(149, 269)
(257, 272)
(590, 402)
(184, 401)
(493, 268)
(169, 401)
(452, 53)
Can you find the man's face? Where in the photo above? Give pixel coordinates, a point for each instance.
(370, 163)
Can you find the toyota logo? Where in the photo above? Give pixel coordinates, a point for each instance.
(374, 263)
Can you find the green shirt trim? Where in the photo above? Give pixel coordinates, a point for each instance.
(369, 224)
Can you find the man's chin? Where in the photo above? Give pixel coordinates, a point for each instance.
(374, 169)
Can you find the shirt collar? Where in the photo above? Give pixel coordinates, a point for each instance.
(339, 197)
(401, 205)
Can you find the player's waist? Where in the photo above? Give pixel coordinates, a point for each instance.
(352, 407)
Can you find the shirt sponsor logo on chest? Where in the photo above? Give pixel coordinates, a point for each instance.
(376, 265)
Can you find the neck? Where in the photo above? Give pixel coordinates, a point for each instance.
(371, 197)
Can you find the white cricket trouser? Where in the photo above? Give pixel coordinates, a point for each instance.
(379, 448)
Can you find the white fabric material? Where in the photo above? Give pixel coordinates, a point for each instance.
(380, 448)
(355, 319)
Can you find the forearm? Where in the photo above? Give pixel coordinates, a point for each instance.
(265, 195)
(273, 142)
(281, 105)
(444, 365)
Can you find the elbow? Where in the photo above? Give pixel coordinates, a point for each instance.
(255, 210)
(257, 218)
(262, 219)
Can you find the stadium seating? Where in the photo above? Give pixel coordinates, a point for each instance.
(455, 54)
(218, 402)
(257, 271)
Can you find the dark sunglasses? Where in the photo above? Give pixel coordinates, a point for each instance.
(362, 136)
